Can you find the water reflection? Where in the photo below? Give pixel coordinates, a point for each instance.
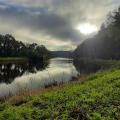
(58, 71)
(9, 71)
(86, 66)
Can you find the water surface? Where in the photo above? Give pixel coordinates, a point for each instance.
(25, 76)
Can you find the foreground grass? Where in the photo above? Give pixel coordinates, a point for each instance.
(96, 99)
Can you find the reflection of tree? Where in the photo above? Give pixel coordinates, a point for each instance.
(85, 66)
(9, 71)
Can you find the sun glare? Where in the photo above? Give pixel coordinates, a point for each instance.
(86, 28)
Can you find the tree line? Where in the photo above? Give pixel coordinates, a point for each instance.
(104, 45)
(9, 47)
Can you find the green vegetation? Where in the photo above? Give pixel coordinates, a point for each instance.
(9, 47)
(96, 99)
(12, 60)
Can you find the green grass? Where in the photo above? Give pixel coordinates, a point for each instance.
(12, 59)
(96, 99)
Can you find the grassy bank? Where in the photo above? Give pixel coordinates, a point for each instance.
(12, 59)
(96, 99)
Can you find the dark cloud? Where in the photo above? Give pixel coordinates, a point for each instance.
(46, 23)
(54, 18)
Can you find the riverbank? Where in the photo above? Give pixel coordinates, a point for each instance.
(13, 59)
(97, 98)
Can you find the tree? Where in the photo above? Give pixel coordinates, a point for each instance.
(9, 47)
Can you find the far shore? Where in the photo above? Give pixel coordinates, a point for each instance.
(13, 59)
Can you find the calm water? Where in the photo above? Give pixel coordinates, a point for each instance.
(15, 77)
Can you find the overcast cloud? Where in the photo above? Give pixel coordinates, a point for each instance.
(52, 22)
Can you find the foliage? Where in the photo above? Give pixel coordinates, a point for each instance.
(9, 47)
(96, 99)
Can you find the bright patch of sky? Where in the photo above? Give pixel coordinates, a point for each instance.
(52, 22)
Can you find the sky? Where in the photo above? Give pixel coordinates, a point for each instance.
(52, 23)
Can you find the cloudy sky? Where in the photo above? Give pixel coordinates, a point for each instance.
(52, 22)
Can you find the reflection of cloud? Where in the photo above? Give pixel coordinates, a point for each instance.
(55, 73)
(54, 18)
